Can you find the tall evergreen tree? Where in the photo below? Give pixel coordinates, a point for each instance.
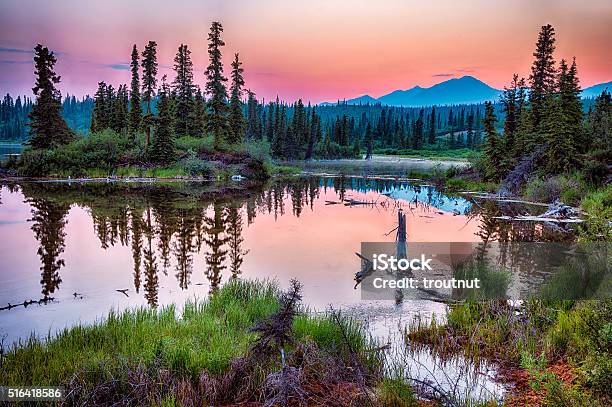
(599, 123)
(571, 105)
(543, 78)
(417, 137)
(47, 126)
(236, 118)
(135, 108)
(513, 101)
(369, 142)
(183, 88)
(253, 126)
(100, 117)
(215, 86)
(493, 147)
(197, 117)
(432, 127)
(558, 137)
(119, 121)
(149, 83)
(162, 148)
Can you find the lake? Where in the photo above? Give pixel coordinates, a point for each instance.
(79, 250)
(7, 149)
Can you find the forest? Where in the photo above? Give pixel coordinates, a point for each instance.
(156, 122)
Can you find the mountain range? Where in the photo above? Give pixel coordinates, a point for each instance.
(464, 90)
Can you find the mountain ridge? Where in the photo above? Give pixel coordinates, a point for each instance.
(464, 90)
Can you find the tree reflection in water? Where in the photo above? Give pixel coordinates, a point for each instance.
(166, 226)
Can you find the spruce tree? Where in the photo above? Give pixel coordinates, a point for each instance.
(149, 83)
(135, 108)
(369, 142)
(253, 127)
(183, 88)
(493, 148)
(558, 137)
(100, 111)
(513, 100)
(432, 126)
(417, 139)
(162, 148)
(543, 76)
(236, 118)
(571, 105)
(599, 123)
(215, 86)
(197, 117)
(47, 126)
(119, 120)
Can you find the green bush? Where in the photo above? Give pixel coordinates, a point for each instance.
(543, 190)
(598, 215)
(259, 150)
(198, 144)
(195, 166)
(595, 172)
(35, 163)
(103, 150)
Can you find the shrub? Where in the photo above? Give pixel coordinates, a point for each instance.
(103, 150)
(35, 163)
(598, 208)
(258, 150)
(544, 190)
(198, 144)
(595, 172)
(195, 166)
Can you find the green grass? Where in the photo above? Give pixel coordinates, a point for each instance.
(207, 336)
(282, 170)
(597, 206)
(461, 184)
(459, 154)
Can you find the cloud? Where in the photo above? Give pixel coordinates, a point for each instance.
(120, 66)
(16, 50)
(13, 62)
(456, 71)
(467, 69)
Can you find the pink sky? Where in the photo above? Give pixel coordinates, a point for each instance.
(319, 50)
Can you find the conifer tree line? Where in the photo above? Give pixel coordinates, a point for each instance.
(545, 113)
(232, 114)
(14, 114)
(544, 109)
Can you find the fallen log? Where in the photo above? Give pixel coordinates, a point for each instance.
(498, 198)
(26, 303)
(538, 219)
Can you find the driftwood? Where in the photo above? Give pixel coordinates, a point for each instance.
(499, 198)
(538, 219)
(366, 270)
(27, 303)
(556, 213)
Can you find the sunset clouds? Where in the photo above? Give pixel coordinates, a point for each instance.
(318, 50)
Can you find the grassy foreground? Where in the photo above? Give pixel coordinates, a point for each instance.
(552, 353)
(224, 350)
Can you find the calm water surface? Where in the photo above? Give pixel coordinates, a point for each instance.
(159, 244)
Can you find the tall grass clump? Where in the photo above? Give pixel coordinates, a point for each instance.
(248, 342)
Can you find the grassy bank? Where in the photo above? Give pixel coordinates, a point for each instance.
(226, 349)
(552, 353)
(459, 154)
(108, 154)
